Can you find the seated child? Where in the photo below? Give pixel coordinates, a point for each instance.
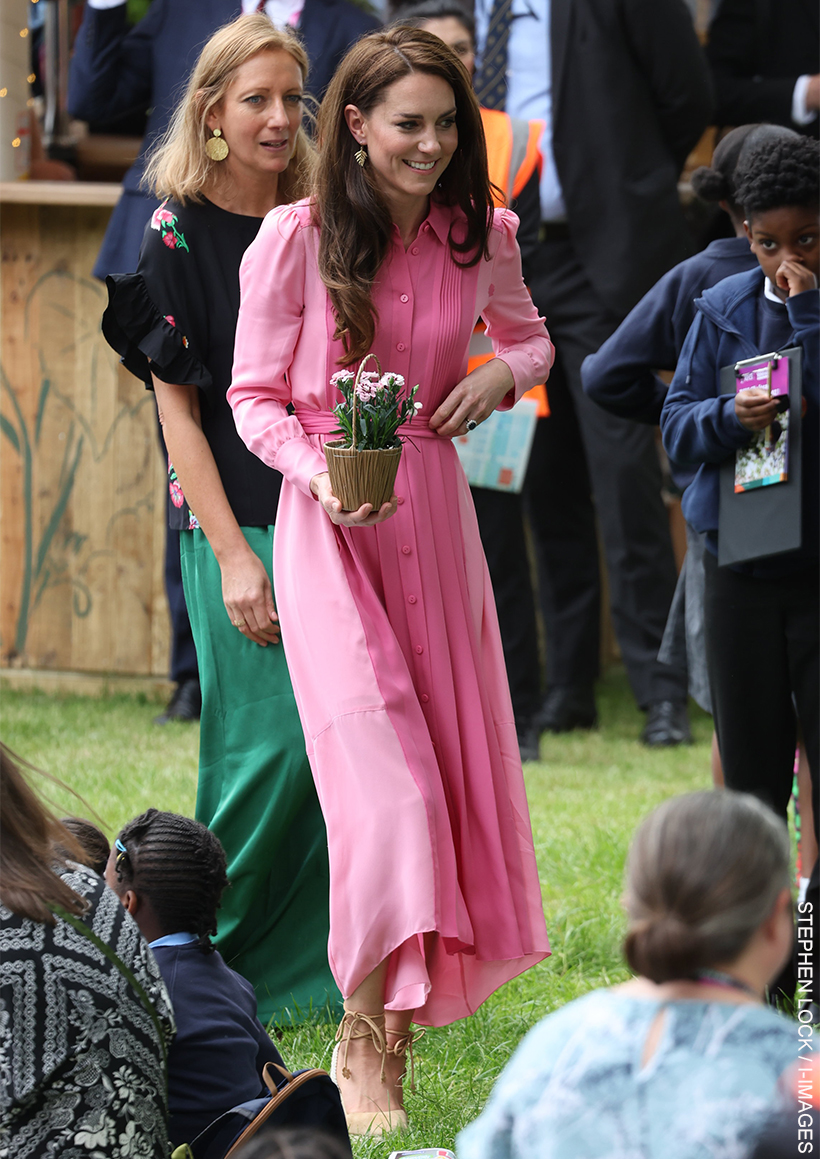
(93, 842)
(169, 873)
(761, 617)
(684, 1060)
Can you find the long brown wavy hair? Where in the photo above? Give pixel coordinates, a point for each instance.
(353, 217)
(34, 846)
(177, 165)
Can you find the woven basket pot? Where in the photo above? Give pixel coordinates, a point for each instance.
(358, 477)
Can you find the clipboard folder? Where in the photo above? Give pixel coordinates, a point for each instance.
(767, 520)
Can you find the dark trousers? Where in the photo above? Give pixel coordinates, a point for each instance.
(183, 665)
(584, 463)
(501, 523)
(762, 651)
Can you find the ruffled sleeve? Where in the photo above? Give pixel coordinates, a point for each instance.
(273, 291)
(517, 330)
(146, 340)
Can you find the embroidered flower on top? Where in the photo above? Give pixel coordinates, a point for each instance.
(166, 222)
(170, 318)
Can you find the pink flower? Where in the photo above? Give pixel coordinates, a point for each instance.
(391, 379)
(162, 215)
(170, 240)
(177, 498)
(170, 318)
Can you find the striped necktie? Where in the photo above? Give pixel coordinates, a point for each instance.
(491, 82)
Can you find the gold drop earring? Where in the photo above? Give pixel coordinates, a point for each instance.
(217, 147)
(361, 155)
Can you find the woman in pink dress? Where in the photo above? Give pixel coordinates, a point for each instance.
(387, 616)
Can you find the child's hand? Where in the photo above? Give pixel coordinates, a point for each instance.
(754, 409)
(795, 278)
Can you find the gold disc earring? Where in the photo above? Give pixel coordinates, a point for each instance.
(217, 147)
(361, 155)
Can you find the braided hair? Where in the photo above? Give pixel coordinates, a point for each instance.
(179, 866)
(716, 182)
(779, 173)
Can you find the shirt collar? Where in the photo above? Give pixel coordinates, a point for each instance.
(173, 940)
(439, 219)
(769, 292)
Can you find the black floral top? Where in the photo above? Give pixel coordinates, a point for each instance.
(81, 1074)
(176, 316)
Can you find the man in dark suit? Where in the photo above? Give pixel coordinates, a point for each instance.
(117, 70)
(765, 62)
(624, 91)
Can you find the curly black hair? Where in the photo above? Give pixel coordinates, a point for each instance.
(716, 182)
(778, 173)
(179, 866)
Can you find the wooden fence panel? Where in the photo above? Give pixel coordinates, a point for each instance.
(81, 477)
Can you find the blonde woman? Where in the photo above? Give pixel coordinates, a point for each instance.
(235, 150)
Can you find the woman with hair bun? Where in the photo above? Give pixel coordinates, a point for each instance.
(685, 1060)
(388, 616)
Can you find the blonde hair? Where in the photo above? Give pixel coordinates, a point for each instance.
(177, 165)
(703, 873)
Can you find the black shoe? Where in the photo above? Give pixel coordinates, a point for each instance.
(528, 742)
(666, 724)
(567, 706)
(185, 704)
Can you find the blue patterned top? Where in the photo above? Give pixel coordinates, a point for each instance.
(575, 1088)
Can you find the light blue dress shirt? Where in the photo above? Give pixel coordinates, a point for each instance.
(173, 940)
(529, 84)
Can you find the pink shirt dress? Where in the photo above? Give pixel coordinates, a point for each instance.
(391, 632)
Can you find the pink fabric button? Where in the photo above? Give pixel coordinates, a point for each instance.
(400, 500)
(411, 600)
(426, 226)
(400, 346)
(424, 698)
(419, 649)
(404, 298)
(414, 250)
(406, 549)
(491, 289)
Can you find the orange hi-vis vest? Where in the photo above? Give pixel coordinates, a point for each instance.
(513, 156)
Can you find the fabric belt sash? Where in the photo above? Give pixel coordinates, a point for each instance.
(324, 422)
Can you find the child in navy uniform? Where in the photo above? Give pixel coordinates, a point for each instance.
(169, 873)
(761, 617)
(622, 377)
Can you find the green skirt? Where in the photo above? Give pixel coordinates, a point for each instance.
(256, 793)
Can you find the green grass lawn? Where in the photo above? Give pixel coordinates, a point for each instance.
(586, 795)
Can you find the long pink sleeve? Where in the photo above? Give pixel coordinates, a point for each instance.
(513, 324)
(273, 287)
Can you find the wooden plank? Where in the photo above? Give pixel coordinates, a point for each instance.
(59, 683)
(104, 194)
(83, 535)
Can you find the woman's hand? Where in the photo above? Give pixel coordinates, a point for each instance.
(364, 517)
(754, 408)
(475, 398)
(248, 598)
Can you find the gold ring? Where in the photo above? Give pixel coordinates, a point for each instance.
(239, 623)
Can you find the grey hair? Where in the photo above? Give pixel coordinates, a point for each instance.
(703, 873)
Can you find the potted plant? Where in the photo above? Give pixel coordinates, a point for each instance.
(363, 462)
